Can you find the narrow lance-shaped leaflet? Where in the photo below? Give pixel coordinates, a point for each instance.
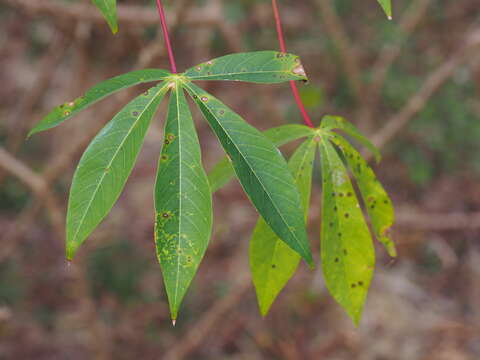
(347, 253)
(272, 262)
(261, 169)
(108, 87)
(108, 8)
(266, 67)
(105, 166)
(183, 204)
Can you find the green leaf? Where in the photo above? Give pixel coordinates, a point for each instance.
(97, 93)
(387, 7)
(183, 202)
(223, 171)
(272, 262)
(337, 122)
(108, 8)
(378, 203)
(261, 169)
(105, 166)
(347, 253)
(265, 67)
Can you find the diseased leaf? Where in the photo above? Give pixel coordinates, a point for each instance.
(272, 262)
(105, 166)
(266, 67)
(378, 203)
(183, 202)
(108, 8)
(223, 171)
(337, 122)
(261, 169)
(387, 7)
(347, 253)
(97, 93)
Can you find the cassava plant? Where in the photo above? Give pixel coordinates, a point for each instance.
(279, 191)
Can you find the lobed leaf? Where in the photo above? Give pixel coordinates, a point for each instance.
(387, 7)
(272, 262)
(63, 112)
(183, 202)
(105, 166)
(223, 171)
(378, 203)
(108, 8)
(347, 253)
(261, 169)
(265, 67)
(337, 122)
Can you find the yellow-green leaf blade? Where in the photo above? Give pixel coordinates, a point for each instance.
(347, 252)
(272, 262)
(337, 122)
(378, 203)
(387, 7)
(65, 111)
(183, 204)
(261, 169)
(108, 8)
(105, 166)
(223, 171)
(265, 67)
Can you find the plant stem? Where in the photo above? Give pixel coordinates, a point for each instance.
(283, 48)
(163, 19)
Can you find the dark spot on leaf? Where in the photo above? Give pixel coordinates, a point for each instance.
(349, 194)
(165, 215)
(344, 251)
(353, 286)
(331, 224)
(335, 208)
(372, 207)
(347, 215)
(333, 194)
(385, 201)
(339, 234)
(135, 113)
(360, 283)
(164, 157)
(340, 194)
(274, 266)
(337, 259)
(167, 142)
(370, 198)
(189, 259)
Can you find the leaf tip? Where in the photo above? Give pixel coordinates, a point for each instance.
(174, 322)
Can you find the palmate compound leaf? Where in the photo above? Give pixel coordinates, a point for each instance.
(387, 7)
(261, 169)
(105, 166)
(108, 8)
(259, 67)
(183, 202)
(272, 262)
(223, 171)
(63, 112)
(347, 252)
(378, 203)
(337, 122)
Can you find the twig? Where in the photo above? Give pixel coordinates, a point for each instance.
(431, 85)
(347, 53)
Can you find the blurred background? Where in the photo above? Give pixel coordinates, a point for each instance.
(411, 84)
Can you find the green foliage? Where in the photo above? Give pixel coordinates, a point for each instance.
(261, 169)
(272, 262)
(105, 166)
(387, 7)
(108, 9)
(182, 193)
(258, 68)
(183, 202)
(95, 94)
